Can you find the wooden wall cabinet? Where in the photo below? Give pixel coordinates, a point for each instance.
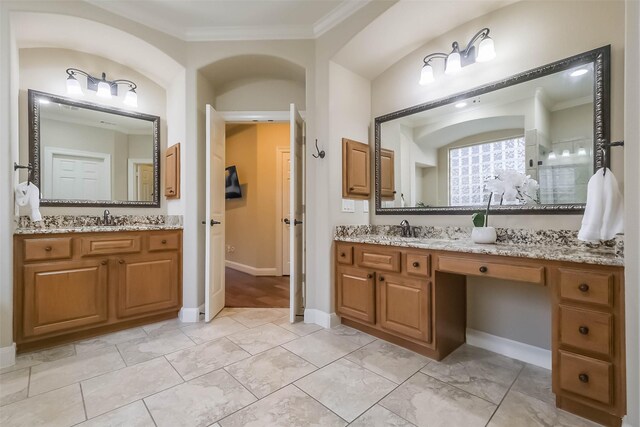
(68, 287)
(387, 174)
(356, 170)
(172, 172)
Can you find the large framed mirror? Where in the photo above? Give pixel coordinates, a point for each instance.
(548, 123)
(85, 154)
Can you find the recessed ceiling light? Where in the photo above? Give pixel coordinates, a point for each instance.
(579, 72)
(461, 104)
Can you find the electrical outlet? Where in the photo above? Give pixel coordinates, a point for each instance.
(348, 205)
(365, 206)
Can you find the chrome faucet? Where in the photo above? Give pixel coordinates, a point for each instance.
(107, 219)
(407, 230)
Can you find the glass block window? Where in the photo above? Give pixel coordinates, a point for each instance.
(470, 166)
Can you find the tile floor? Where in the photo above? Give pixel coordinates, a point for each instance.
(250, 367)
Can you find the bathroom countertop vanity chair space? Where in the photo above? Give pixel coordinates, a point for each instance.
(77, 275)
(408, 284)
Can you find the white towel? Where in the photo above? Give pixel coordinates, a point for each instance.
(604, 213)
(29, 194)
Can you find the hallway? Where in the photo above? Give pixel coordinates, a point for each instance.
(245, 290)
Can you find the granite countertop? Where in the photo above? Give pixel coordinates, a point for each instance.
(97, 229)
(571, 252)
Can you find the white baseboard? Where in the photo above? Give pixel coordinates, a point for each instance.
(321, 318)
(189, 315)
(8, 356)
(514, 349)
(254, 271)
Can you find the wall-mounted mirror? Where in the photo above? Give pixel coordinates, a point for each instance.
(89, 155)
(548, 123)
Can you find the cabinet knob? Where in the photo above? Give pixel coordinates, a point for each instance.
(104, 262)
(583, 287)
(48, 249)
(342, 254)
(483, 269)
(369, 276)
(381, 278)
(164, 242)
(416, 264)
(584, 330)
(584, 378)
(351, 188)
(121, 261)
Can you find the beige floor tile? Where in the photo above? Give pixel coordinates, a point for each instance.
(299, 328)
(62, 372)
(483, 373)
(202, 332)
(536, 382)
(525, 411)
(14, 386)
(34, 358)
(285, 408)
(322, 347)
(386, 359)
(115, 389)
(132, 415)
(207, 357)
(269, 371)
(425, 401)
(165, 325)
(152, 346)
(115, 338)
(258, 316)
(345, 388)
(61, 407)
(199, 402)
(354, 335)
(380, 417)
(262, 338)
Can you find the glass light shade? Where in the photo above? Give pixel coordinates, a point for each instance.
(73, 86)
(131, 98)
(453, 63)
(582, 151)
(104, 90)
(566, 153)
(579, 72)
(486, 50)
(426, 75)
(552, 155)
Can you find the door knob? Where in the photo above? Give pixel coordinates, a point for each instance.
(286, 221)
(483, 269)
(214, 222)
(296, 222)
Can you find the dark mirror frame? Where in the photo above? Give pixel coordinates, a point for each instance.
(35, 158)
(601, 59)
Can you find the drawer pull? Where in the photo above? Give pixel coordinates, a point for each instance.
(342, 254)
(48, 249)
(164, 242)
(104, 262)
(584, 378)
(416, 264)
(483, 269)
(121, 261)
(369, 276)
(381, 278)
(583, 287)
(584, 330)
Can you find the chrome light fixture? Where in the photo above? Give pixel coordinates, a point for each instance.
(104, 88)
(456, 59)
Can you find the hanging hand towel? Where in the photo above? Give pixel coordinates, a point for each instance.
(29, 194)
(603, 214)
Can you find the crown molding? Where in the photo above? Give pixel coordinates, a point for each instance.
(337, 15)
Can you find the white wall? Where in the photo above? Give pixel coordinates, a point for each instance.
(260, 95)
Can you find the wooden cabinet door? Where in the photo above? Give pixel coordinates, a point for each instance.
(387, 174)
(356, 170)
(356, 294)
(147, 284)
(404, 306)
(65, 295)
(172, 172)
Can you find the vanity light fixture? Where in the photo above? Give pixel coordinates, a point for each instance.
(566, 153)
(582, 151)
(104, 88)
(552, 155)
(456, 59)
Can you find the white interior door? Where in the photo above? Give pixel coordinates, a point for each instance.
(214, 240)
(286, 206)
(296, 214)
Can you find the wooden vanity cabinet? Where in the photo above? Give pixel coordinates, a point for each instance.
(356, 170)
(172, 172)
(68, 287)
(387, 174)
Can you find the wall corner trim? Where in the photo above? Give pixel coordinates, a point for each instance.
(8, 356)
(524, 352)
(321, 318)
(189, 315)
(254, 271)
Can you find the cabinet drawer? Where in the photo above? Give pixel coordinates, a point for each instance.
(110, 245)
(591, 378)
(344, 253)
(519, 273)
(164, 242)
(586, 329)
(418, 264)
(586, 286)
(45, 249)
(378, 258)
